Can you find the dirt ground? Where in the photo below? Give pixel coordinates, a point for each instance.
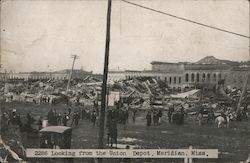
(232, 142)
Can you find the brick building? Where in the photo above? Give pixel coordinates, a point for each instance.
(208, 72)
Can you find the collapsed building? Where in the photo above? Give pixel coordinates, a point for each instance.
(224, 78)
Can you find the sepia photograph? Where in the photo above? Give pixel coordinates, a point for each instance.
(124, 81)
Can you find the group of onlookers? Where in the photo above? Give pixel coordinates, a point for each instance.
(154, 115)
(24, 123)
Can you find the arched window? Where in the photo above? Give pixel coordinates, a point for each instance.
(215, 77)
(174, 80)
(179, 80)
(219, 76)
(192, 77)
(197, 77)
(170, 80)
(203, 77)
(208, 77)
(187, 78)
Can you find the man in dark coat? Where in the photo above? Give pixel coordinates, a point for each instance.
(93, 117)
(170, 112)
(159, 114)
(155, 118)
(134, 114)
(148, 117)
(113, 132)
(77, 117)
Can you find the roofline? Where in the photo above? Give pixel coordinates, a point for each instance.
(158, 62)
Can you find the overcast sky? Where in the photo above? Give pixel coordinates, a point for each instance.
(37, 33)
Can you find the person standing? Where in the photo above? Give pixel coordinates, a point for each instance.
(77, 117)
(50, 117)
(73, 118)
(126, 115)
(40, 123)
(93, 117)
(83, 112)
(148, 117)
(182, 115)
(54, 117)
(97, 121)
(113, 132)
(199, 117)
(155, 118)
(4, 120)
(210, 116)
(108, 126)
(27, 125)
(159, 116)
(133, 116)
(96, 106)
(170, 112)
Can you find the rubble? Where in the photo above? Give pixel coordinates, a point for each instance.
(51, 90)
(142, 92)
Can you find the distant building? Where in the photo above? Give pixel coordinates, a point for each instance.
(116, 76)
(3, 76)
(56, 75)
(207, 72)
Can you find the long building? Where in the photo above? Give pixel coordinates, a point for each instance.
(56, 75)
(208, 72)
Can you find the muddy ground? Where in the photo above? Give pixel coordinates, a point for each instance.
(232, 142)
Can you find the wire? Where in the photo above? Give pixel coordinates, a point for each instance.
(184, 19)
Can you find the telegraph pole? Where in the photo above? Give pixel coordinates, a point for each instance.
(244, 89)
(245, 86)
(70, 75)
(104, 83)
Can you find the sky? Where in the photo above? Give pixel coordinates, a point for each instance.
(41, 35)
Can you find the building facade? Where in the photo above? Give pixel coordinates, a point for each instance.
(114, 76)
(208, 72)
(57, 75)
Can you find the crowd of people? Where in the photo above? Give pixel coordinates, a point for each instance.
(154, 115)
(121, 114)
(23, 123)
(91, 114)
(55, 118)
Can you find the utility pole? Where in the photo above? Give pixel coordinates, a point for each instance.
(246, 81)
(70, 75)
(104, 83)
(243, 92)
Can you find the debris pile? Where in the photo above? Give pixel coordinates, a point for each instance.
(141, 92)
(52, 91)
